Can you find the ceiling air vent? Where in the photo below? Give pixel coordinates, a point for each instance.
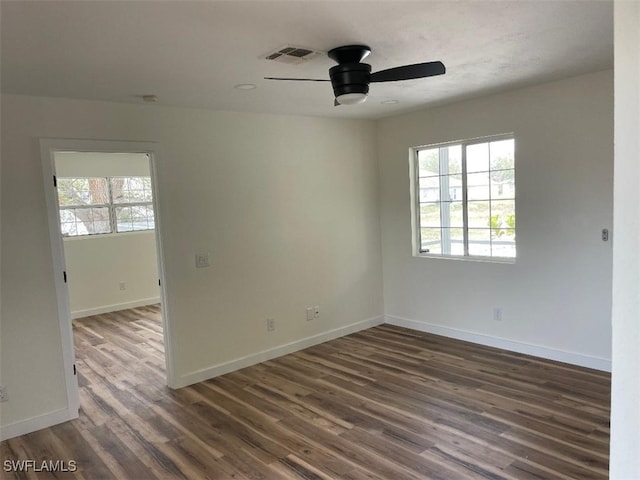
(291, 54)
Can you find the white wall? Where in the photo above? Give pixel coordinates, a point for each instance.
(625, 388)
(97, 264)
(556, 298)
(285, 206)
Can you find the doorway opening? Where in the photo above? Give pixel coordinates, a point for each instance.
(108, 269)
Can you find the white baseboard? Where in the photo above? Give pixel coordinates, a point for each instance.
(573, 358)
(114, 308)
(36, 423)
(242, 362)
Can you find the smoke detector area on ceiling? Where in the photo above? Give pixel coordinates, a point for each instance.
(291, 54)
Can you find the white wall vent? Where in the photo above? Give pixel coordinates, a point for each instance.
(291, 54)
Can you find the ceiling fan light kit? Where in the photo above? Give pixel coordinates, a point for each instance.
(350, 79)
(351, 98)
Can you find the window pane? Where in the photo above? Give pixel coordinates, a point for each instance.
(142, 216)
(505, 245)
(478, 186)
(478, 158)
(84, 221)
(124, 222)
(503, 184)
(92, 220)
(131, 189)
(428, 162)
(101, 226)
(82, 191)
(453, 183)
(430, 240)
(456, 236)
(429, 189)
(69, 229)
(453, 157)
(430, 215)
(480, 242)
(501, 154)
(136, 217)
(67, 216)
(503, 222)
(510, 221)
(479, 214)
(68, 223)
(455, 214)
(504, 208)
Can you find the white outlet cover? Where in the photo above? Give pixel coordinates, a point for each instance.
(202, 260)
(310, 313)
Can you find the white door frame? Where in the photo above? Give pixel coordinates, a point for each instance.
(48, 148)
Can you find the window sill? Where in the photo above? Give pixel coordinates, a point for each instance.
(73, 238)
(499, 260)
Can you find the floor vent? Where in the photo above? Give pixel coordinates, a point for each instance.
(291, 54)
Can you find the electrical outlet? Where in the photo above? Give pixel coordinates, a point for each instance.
(310, 313)
(316, 312)
(271, 324)
(497, 314)
(3, 394)
(122, 285)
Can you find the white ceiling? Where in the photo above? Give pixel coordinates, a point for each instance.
(191, 54)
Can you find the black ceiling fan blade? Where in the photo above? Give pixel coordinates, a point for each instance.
(298, 79)
(408, 72)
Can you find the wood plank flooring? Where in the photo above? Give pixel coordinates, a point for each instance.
(384, 403)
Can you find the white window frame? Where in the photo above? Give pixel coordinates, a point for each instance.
(111, 206)
(415, 200)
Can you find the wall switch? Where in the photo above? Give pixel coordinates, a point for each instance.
(316, 312)
(310, 313)
(497, 314)
(271, 324)
(202, 260)
(3, 394)
(122, 285)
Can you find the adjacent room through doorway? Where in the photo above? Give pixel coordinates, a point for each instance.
(107, 223)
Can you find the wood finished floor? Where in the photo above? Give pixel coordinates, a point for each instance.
(385, 403)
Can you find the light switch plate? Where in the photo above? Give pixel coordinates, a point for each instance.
(202, 260)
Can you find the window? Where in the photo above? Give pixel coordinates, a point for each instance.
(98, 205)
(464, 197)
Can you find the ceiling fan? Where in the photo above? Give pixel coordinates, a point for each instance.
(350, 78)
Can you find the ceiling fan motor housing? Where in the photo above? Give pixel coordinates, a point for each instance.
(350, 78)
